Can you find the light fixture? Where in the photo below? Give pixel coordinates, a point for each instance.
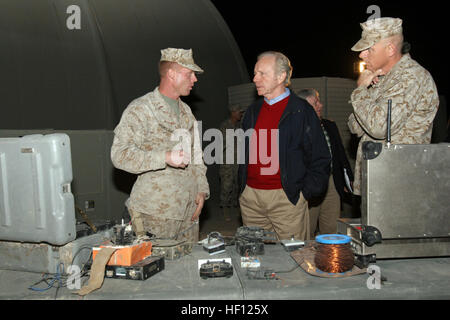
(361, 66)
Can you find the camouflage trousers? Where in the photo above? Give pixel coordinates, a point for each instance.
(165, 228)
(229, 189)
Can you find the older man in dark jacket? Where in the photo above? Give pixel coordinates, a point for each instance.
(287, 160)
(326, 209)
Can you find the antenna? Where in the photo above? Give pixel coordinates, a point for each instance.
(389, 122)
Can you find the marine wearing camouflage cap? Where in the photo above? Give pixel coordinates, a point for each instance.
(167, 197)
(391, 75)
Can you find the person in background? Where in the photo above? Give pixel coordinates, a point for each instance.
(228, 172)
(325, 210)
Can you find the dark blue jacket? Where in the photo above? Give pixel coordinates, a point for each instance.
(303, 151)
(339, 158)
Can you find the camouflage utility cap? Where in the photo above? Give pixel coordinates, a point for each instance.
(375, 30)
(182, 57)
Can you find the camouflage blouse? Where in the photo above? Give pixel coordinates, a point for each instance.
(147, 130)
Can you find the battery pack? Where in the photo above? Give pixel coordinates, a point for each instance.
(214, 247)
(216, 269)
(140, 271)
(292, 244)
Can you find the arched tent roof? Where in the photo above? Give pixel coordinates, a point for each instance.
(79, 79)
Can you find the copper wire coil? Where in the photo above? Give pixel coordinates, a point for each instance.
(334, 258)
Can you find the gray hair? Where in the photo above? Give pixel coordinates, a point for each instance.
(308, 92)
(282, 64)
(396, 40)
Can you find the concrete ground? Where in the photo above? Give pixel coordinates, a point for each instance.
(214, 220)
(409, 279)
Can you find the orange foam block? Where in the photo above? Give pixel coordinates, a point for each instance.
(127, 255)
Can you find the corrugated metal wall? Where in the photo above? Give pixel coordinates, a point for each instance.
(335, 95)
(81, 79)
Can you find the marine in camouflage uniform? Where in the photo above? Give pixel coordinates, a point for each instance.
(164, 197)
(229, 188)
(398, 77)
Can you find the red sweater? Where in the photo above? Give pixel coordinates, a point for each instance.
(263, 168)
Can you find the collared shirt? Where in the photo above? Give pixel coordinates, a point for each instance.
(286, 93)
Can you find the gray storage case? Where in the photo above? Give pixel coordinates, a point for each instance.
(406, 196)
(36, 202)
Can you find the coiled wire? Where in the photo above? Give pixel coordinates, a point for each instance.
(334, 258)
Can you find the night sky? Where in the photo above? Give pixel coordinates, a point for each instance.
(317, 35)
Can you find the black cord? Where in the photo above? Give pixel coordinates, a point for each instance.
(79, 250)
(215, 235)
